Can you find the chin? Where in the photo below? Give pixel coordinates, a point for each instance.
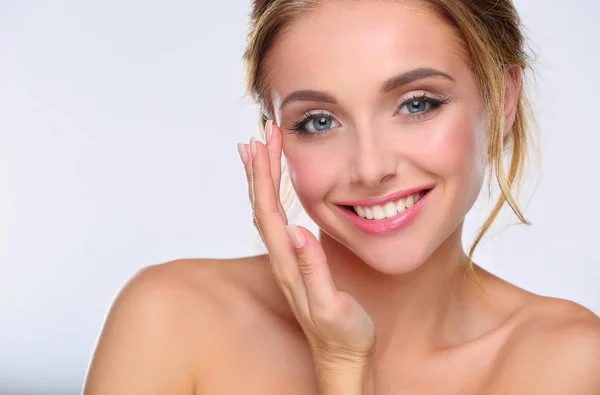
(393, 254)
(393, 257)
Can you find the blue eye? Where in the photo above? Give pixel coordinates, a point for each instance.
(416, 106)
(419, 106)
(315, 123)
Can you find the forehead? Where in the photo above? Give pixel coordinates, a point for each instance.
(343, 43)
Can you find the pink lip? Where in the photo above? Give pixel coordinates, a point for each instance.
(381, 201)
(387, 225)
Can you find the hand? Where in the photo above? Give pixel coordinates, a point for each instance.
(338, 329)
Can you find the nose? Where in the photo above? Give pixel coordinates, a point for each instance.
(374, 161)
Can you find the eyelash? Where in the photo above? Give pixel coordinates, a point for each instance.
(434, 103)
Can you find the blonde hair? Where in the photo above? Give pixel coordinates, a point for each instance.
(492, 37)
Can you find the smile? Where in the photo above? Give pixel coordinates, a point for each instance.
(391, 209)
(388, 214)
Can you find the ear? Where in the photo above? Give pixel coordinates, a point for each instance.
(514, 80)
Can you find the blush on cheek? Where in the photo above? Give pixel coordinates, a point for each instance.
(451, 147)
(310, 178)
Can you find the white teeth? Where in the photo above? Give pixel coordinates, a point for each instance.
(378, 212)
(360, 211)
(401, 205)
(391, 209)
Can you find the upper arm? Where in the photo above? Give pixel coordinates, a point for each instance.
(561, 359)
(144, 347)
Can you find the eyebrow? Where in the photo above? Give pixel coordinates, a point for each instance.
(412, 76)
(389, 85)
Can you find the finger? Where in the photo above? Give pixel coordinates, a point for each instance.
(251, 191)
(244, 150)
(274, 147)
(264, 196)
(272, 225)
(245, 157)
(312, 263)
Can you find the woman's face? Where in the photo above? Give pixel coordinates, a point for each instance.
(375, 98)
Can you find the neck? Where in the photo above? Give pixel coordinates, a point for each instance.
(416, 310)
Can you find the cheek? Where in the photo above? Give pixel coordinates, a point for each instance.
(453, 149)
(310, 179)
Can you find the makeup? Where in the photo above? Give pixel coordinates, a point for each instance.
(388, 214)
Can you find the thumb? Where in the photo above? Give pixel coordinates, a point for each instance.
(312, 262)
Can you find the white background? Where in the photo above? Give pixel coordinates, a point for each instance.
(118, 129)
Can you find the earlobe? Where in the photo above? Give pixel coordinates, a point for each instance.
(513, 92)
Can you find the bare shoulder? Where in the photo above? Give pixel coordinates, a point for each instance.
(555, 349)
(160, 331)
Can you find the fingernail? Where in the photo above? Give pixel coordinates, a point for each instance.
(269, 130)
(297, 238)
(243, 153)
(252, 147)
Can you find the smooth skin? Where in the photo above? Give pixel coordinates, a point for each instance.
(247, 325)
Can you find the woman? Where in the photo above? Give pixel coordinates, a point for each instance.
(388, 113)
